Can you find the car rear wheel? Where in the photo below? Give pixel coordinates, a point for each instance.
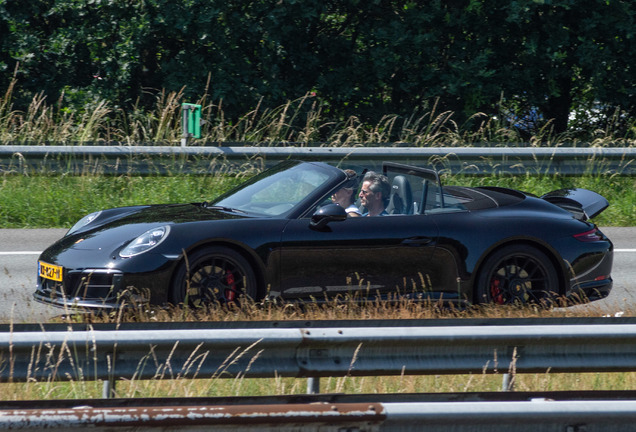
(518, 274)
(213, 275)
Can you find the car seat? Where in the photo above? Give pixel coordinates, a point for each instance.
(401, 199)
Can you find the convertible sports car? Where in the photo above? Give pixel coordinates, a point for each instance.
(278, 235)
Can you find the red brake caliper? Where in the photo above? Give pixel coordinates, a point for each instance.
(495, 292)
(230, 293)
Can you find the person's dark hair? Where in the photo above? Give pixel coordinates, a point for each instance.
(351, 183)
(379, 183)
(352, 179)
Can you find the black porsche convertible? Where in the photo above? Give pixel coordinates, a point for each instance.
(279, 235)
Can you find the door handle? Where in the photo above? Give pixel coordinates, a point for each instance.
(417, 241)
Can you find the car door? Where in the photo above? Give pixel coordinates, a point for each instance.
(363, 256)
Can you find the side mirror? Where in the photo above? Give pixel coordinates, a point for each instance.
(326, 214)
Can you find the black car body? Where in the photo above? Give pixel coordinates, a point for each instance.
(279, 236)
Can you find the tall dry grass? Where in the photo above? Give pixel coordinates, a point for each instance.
(404, 309)
(298, 122)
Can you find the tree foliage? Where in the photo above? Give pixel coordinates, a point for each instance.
(363, 58)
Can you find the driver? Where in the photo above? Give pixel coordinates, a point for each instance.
(375, 193)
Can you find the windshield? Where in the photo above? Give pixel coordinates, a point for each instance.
(275, 192)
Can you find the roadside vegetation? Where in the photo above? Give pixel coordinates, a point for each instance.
(302, 121)
(42, 201)
(229, 387)
(31, 198)
(540, 63)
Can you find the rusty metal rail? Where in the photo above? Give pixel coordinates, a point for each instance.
(249, 417)
(445, 412)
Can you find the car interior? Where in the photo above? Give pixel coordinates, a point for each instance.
(416, 191)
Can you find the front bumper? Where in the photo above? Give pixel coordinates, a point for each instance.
(95, 280)
(89, 288)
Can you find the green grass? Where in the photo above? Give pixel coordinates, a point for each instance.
(350, 385)
(40, 201)
(59, 201)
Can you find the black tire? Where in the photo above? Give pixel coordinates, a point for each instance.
(213, 275)
(517, 274)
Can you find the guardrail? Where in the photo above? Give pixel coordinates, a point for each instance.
(323, 348)
(315, 349)
(373, 413)
(142, 160)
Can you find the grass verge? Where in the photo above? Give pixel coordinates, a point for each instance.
(351, 385)
(59, 201)
(41, 201)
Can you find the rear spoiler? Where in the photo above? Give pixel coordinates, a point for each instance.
(582, 203)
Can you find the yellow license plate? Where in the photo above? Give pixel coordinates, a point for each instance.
(50, 271)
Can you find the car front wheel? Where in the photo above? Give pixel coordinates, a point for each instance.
(213, 275)
(517, 274)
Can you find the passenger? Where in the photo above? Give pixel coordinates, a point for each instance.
(375, 194)
(344, 196)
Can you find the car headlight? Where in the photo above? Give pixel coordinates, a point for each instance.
(145, 242)
(84, 221)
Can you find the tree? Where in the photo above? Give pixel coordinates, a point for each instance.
(367, 59)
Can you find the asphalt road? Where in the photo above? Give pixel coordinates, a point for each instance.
(19, 249)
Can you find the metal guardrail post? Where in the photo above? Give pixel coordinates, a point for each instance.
(313, 385)
(108, 390)
(507, 383)
(185, 135)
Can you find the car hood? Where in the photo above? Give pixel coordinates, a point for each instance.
(116, 227)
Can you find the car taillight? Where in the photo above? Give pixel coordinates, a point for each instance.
(589, 236)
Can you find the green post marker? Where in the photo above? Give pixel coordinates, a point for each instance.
(191, 122)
